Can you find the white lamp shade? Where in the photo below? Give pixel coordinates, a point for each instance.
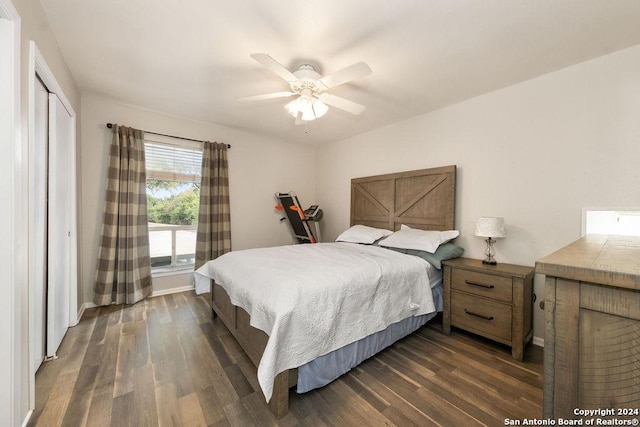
(307, 112)
(293, 108)
(488, 226)
(319, 108)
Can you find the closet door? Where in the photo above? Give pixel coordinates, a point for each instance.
(38, 211)
(60, 216)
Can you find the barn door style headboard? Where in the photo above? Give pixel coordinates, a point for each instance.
(422, 199)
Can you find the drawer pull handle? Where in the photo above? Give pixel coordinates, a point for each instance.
(479, 284)
(471, 313)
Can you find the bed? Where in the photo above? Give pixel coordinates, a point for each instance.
(422, 199)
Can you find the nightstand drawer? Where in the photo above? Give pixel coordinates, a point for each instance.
(483, 284)
(482, 316)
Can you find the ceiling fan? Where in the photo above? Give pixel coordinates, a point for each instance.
(309, 88)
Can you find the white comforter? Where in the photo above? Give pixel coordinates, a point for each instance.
(313, 299)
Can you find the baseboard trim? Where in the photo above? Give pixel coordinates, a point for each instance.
(27, 418)
(538, 341)
(83, 307)
(172, 291)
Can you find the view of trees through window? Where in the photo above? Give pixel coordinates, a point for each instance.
(173, 202)
(173, 197)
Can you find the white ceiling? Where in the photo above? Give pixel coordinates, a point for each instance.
(191, 58)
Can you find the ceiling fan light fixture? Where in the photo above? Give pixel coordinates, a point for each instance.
(312, 102)
(309, 108)
(319, 108)
(294, 107)
(307, 114)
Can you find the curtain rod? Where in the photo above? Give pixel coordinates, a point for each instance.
(110, 125)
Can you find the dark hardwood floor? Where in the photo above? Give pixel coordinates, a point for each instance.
(165, 361)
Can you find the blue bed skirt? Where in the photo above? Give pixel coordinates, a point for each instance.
(324, 369)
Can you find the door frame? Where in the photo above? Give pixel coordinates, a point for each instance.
(38, 68)
(12, 247)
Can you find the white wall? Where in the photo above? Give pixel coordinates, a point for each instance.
(535, 153)
(258, 168)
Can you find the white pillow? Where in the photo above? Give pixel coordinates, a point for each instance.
(362, 234)
(422, 240)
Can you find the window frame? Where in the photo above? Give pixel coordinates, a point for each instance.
(614, 210)
(173, 268)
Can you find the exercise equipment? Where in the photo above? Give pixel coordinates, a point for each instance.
(304, 224)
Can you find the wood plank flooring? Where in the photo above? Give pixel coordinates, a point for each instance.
(166, 362)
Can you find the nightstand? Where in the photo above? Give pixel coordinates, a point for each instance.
(495, 301)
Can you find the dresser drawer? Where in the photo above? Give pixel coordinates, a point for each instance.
(483, 284)
(482, 316)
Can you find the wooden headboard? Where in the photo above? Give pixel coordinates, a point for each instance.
(422, 199)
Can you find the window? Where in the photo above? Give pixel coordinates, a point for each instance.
(173, 197)
(624, 221)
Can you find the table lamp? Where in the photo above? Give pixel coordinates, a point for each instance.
(492, 228)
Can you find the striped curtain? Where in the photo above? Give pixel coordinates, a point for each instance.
(123, 274)
(214, 218)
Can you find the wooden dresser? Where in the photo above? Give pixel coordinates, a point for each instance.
(495, 301)
(592, 332)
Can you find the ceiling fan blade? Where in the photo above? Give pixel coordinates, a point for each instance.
(341, 103)
(274, 66)
(266, 96)
(345, 75)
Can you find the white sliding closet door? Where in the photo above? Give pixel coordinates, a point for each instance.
(39, 219)
(61, 208)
